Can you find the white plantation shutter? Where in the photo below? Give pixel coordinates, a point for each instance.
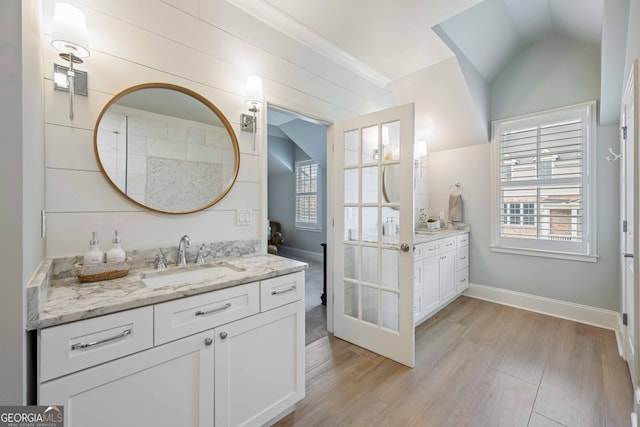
(543, 181)
(307, 194)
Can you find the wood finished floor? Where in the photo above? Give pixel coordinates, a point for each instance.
(477, 364)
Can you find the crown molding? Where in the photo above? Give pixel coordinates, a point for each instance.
(282, 22)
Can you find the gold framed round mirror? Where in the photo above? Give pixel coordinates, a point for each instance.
(166, 148)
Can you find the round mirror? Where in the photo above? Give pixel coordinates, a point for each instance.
(166, 148)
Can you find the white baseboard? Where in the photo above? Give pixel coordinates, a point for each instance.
(606, 319)
(634, 421)
(300, 253)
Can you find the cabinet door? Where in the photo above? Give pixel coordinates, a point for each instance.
(417, 289)
(430, 284)
(259, 366)
(170, 385)
(447, 275)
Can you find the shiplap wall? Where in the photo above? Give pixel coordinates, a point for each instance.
(208, 46)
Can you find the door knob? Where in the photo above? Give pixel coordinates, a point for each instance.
(208, 341)
(404, 247)
(223, 335)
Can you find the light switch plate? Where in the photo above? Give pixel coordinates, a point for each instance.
(243, 216)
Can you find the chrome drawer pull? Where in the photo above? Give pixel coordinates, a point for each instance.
(215, 310)
(463, 280)
(292, 288)
(80, 346)
(463, 257)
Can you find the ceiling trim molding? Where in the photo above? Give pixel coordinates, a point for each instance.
(282, 22)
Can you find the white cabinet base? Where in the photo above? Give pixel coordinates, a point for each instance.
(259, 366)
(171, 385)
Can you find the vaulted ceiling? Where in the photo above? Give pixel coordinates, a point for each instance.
(422, 50)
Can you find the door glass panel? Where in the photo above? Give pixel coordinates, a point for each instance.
(351, 229)
(351, 299)
(351, 262)
(370, 224)
(351, 148)
(390, 141)
(370, 264)
(370, 185)
(370, 150)
(389, 266)
(390, 310)
(351, 186)
(370, 304)
(390, 180)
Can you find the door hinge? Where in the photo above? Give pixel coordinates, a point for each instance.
(624, 319)
(624, 132)
(624, 225)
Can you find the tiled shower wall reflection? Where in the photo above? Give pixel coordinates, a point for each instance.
(132, 140)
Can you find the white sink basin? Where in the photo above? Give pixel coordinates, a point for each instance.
(188, 274)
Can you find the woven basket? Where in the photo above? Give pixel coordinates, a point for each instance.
(104, 271)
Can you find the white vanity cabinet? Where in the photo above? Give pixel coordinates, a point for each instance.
(438, 269)
(169, 385)
(226, 358)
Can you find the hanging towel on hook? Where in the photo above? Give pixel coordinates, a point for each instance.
(455, 207)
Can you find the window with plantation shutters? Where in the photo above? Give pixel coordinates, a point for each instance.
(307, 181)
(543, 180)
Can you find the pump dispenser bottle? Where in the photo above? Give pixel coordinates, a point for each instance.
(94, 255)
(116, 253)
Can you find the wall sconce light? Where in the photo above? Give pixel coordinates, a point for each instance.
(253, 99)
(420, 154)
(69, 37)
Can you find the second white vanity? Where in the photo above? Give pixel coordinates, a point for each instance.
(226, 351)
(441, 271)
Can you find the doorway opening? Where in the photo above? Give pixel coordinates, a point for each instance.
(297, 204)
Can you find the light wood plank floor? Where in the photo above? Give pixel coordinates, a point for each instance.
(477, 364)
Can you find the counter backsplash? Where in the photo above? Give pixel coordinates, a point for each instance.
(63, 267)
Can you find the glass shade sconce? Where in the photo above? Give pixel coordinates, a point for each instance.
(420, 154)
(69, 37)
(253, 99)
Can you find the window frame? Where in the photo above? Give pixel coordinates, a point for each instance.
(563, 249)
(305, 225)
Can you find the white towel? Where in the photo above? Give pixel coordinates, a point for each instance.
(455, 208)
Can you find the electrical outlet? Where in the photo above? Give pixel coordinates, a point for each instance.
(243, 217)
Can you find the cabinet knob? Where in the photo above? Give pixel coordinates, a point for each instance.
(208, 341)
(223, 335)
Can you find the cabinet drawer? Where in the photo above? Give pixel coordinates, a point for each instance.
(186, 316)
(462, 257)
(447, 244)
(79, 345)
(426, 249)
(463, 239)
(281, 290)
(462, 279)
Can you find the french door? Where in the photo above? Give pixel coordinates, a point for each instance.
(373, 232)
(630, 210)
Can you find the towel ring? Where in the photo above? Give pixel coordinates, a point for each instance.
(455, 189)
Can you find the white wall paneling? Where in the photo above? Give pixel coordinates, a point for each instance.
(69, 232)
(209, 47)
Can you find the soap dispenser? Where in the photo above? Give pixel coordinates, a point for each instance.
(116, 253)
(94, 255)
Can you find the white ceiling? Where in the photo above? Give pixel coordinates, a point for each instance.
(394, 44)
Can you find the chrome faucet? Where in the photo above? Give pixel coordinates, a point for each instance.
(182, 245)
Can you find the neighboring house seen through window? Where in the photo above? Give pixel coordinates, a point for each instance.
(544, 179)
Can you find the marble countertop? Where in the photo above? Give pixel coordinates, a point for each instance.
(430, 236)
(54, 302)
